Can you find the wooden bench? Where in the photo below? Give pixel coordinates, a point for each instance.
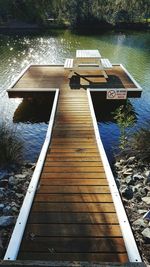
(68, 63)
(106, 63)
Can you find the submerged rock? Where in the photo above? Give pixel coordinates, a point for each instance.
(7, 221)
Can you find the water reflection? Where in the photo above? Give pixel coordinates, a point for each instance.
(107, 125)
(34, 109)
(104, 109)
(17, 51)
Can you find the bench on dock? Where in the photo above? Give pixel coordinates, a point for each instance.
(106, 63)
(68, 63)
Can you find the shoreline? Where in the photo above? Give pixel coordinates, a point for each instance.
(13, 187)
(133, 181)
(96, 29)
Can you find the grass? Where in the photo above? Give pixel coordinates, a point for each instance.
(11, 146)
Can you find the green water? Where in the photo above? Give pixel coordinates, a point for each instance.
(132, 49)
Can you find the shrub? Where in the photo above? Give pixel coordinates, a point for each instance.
(125, 118)
(140, 143)
(11, 146)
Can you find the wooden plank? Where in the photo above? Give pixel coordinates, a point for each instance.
(64, 217)
(72, 150)
(73, 230)
(74, 140)
(74, 245)
(72, 189)
(67, 181)
(75, 154)
(49, 175)
(78, 169)
(73, 207)
(100, 257)
(80, 159)
(72, 163)
(73, 198)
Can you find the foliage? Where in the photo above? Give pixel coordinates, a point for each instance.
(77, 12)
(140, 143)
(10, 146)
(125, 118)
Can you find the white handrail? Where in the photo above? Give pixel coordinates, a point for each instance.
(16, 238)
(129, 240)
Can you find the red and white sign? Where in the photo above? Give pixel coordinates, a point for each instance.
(116, 94)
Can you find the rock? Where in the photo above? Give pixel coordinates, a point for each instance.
(137, 177)
(146, 233)
(30, 165)
(140, 222)
(4, 183)
(127, 171)
(11, 180)
(14, 209)
(138, 197)
(7, 210)
(147, 173)
(127, 192)
(19, 195)
(143, 191)
(148, 194)
(7, 221)
(131, 160)
(1, 207)
(146, 200)
(21, 176)
(142, 211)
(129, 180)
(2, 193)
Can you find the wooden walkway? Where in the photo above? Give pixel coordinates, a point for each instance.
(73, 216)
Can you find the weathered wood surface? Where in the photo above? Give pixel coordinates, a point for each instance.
(36, 263)
(54, 77)
(73, 217)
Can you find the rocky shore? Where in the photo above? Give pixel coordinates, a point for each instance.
(133, 180)
(13, 187)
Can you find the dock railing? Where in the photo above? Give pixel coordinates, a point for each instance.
(16, 238)
(129, 240)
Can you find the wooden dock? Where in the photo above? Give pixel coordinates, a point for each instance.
(73, 216)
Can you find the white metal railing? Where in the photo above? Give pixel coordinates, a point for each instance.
(16, 238)
(129, 240)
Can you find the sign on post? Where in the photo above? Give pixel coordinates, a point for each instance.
(116, 94)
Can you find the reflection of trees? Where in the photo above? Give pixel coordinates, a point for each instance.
(34, 109)
(104, 108)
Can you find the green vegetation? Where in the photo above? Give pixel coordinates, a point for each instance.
(125, 119)
(76, 13)
(135, 143)
(10, 146)
(139, 143)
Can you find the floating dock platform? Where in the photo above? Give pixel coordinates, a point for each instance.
(72, 212)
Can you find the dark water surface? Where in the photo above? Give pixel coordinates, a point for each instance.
(132, 49)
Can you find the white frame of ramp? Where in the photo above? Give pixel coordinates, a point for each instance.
(129, 240)
(17, 235)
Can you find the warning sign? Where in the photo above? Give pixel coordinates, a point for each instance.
(116, 94)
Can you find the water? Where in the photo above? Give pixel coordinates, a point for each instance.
(132, 49)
